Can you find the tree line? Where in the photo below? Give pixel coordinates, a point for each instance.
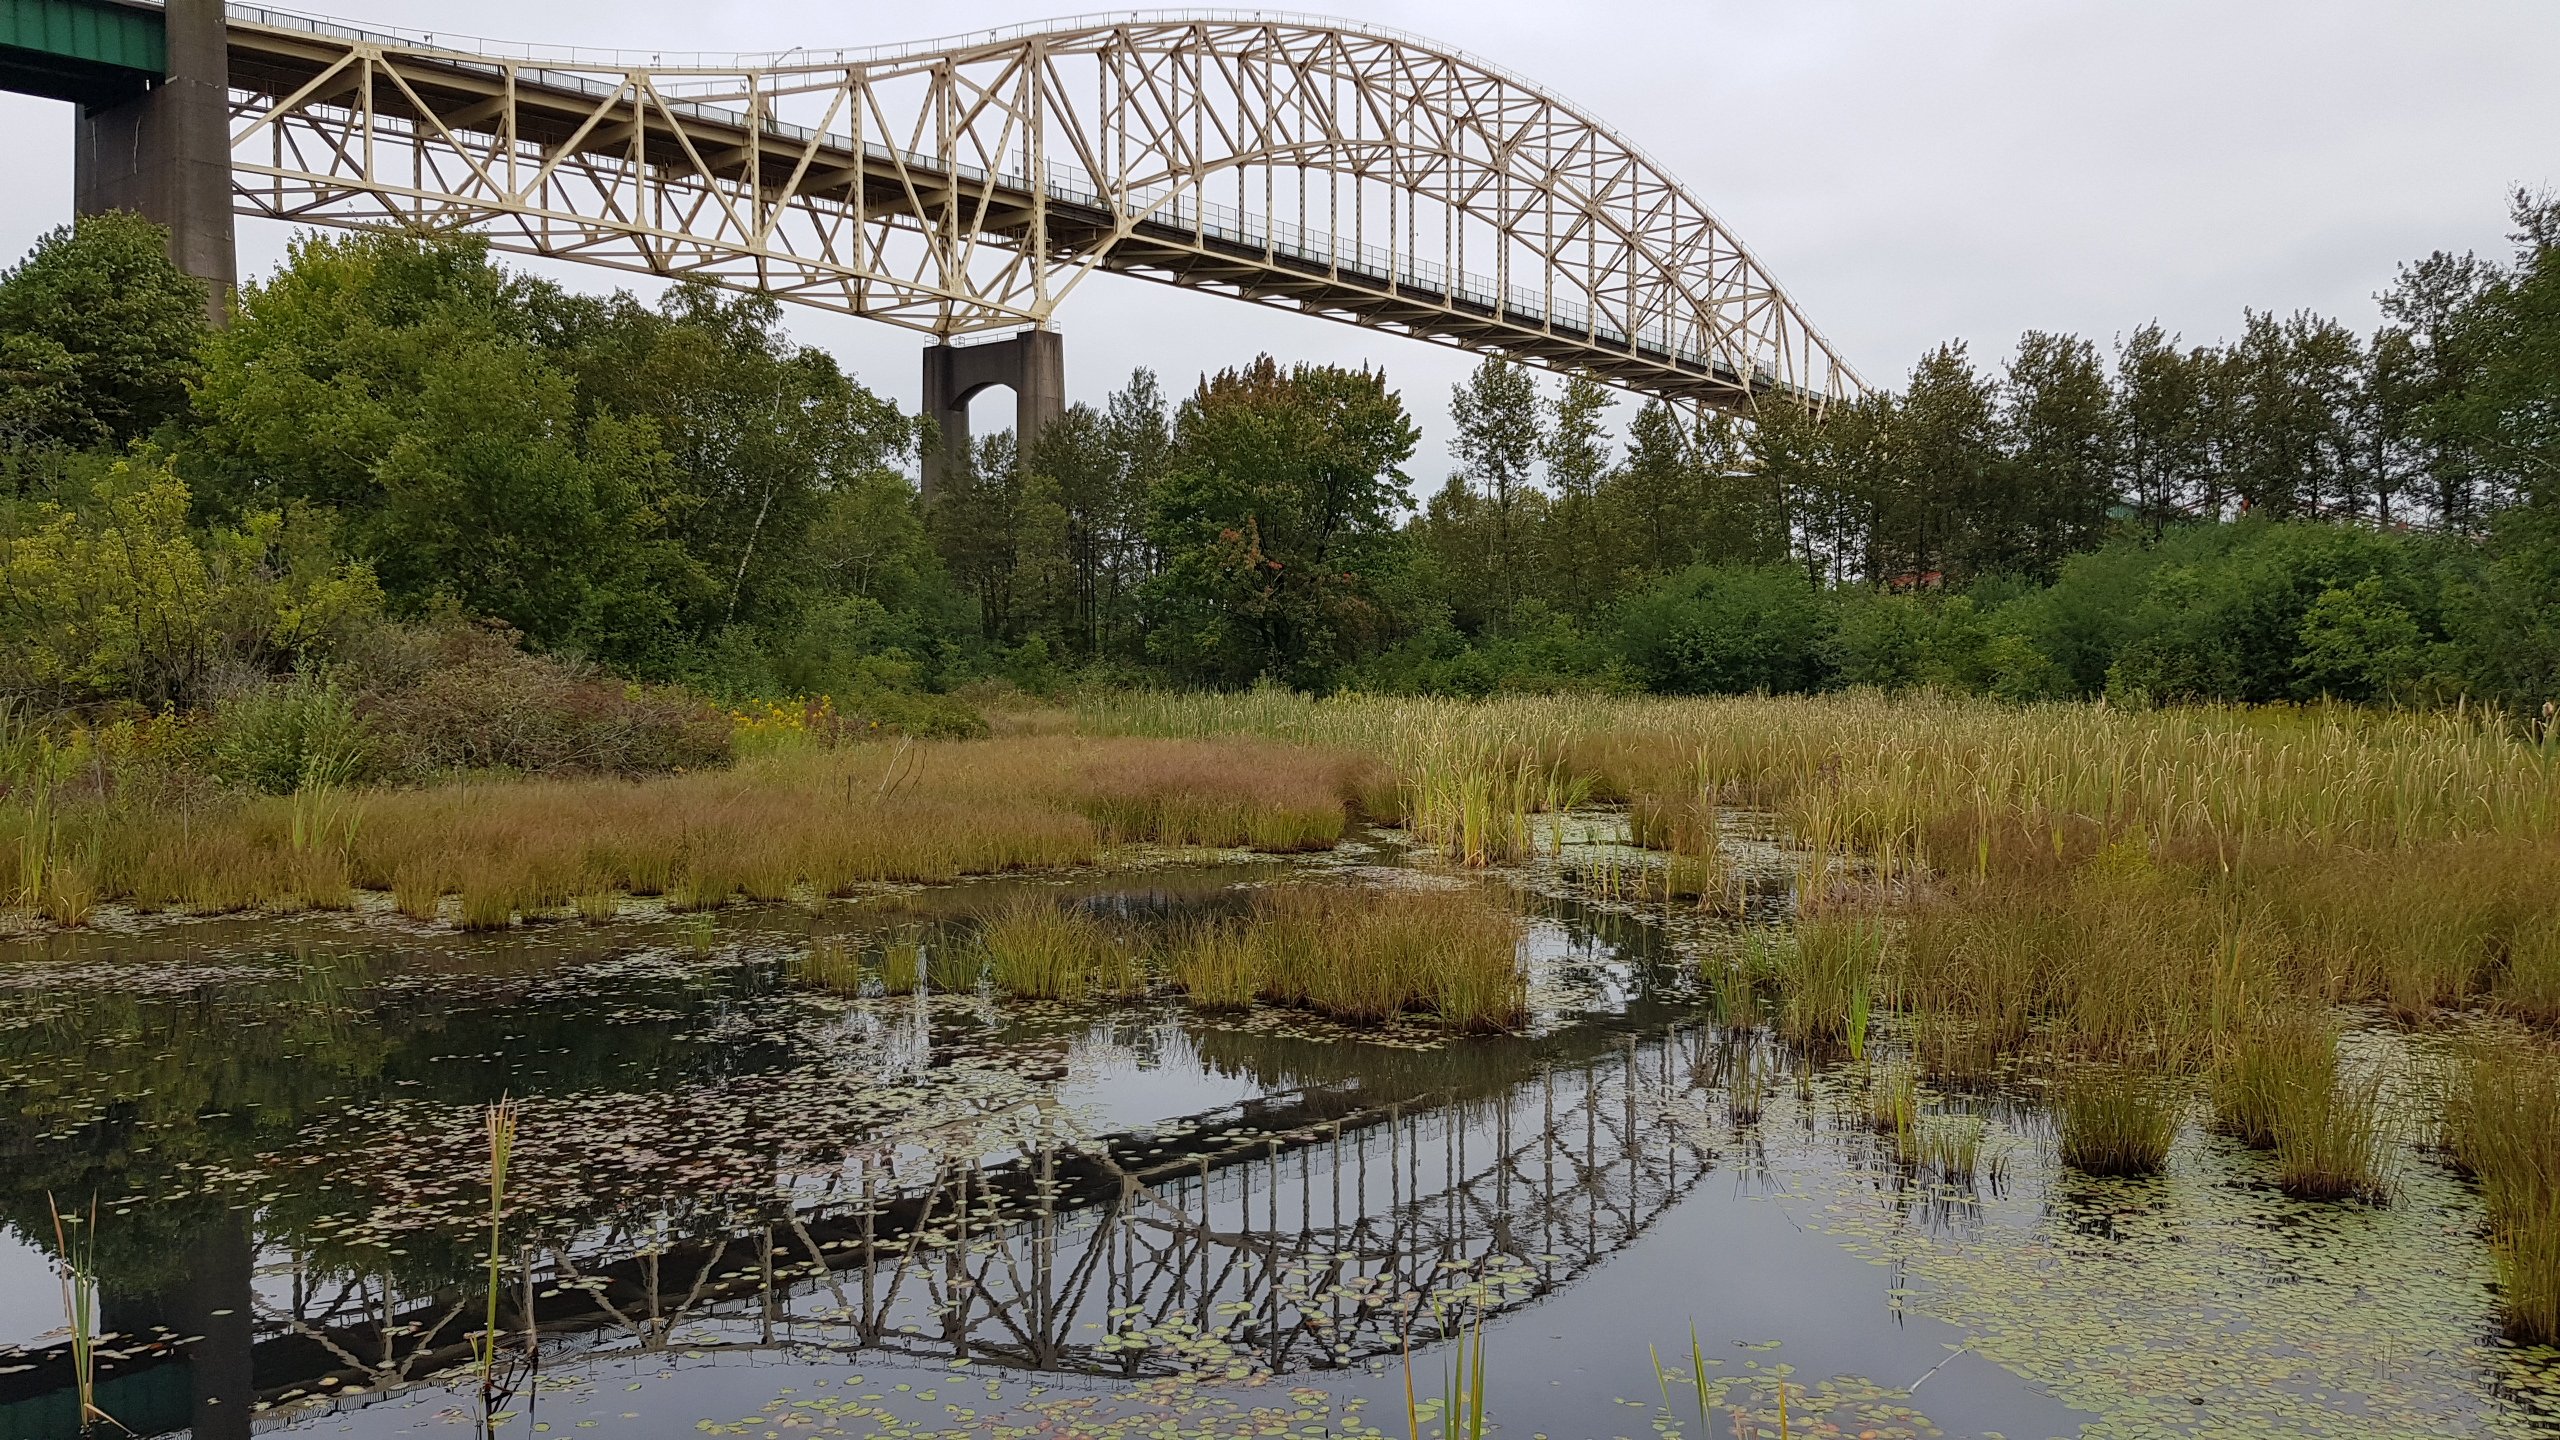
(395, 429)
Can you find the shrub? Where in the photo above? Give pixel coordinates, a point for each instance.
(276, 737)
(466, 697)
(1729, 630)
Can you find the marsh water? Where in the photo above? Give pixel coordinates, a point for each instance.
(740, 1206)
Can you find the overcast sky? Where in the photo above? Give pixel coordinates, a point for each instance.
(1912, 171)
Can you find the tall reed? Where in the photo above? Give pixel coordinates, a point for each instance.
(500, 1124)
(75, 1242)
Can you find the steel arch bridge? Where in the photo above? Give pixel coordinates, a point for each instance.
(964, 187)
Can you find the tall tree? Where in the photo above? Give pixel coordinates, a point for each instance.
(2166, 448)
(1947, 508)
(758, 432)
(2290, 448)
(1274, 521)
(100, 336)
(1575, 557)
(1499, 438)
(2061, 424)
(403, 381)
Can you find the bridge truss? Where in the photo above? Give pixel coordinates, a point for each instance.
(967, 186)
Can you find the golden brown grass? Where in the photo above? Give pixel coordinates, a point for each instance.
(813, 820)
(832, 963)
(1366, 955)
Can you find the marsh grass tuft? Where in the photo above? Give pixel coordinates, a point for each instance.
(831, 963)
(954, 968)
(1369, 955)
(1216, 965)
(2259, 1072)
(1826, 974)
(2502, 1125)
(902, 966)
(1040, 949)
(1950, 1146)
(2112, 1120)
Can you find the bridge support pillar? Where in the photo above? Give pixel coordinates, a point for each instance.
(166, 154)
(1032, 364)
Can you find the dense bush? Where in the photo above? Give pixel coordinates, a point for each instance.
(1726, 630)
(458, 696)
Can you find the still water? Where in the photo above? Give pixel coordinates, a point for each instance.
(737, 1206)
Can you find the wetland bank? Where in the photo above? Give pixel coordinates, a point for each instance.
(1218, 1066)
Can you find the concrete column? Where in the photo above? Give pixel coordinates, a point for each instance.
(1032, 364)
(166, 155)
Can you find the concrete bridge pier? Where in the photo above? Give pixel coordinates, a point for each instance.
(1032, 364)
(165, 153)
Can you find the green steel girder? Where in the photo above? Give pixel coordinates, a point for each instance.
(95, 52)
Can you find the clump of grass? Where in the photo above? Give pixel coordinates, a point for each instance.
(1042, 950)
(831, 964)
(489, 897)
(2333, 1142)
(954, 968)
(69, 895)
(1216, 966)
(706, 881)
(1893, 1103)
(1826, 976)
(2115, 1121)
(417, 888)
(1948, 1145)
(2502, 1124)
(1369, 955)
(599, 905)
(1746, 1084)
(2259, 1072)
(902, 966)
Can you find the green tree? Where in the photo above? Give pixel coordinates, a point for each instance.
(404, 382)
(115, 598)
(1274, 522)
(1500, 436)
(1577, 563)
(100, 336)
(757, 432)
(2059, 415)
(2166, 448)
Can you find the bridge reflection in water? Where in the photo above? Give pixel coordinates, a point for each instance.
(1302, 1240)
(1303, 1232)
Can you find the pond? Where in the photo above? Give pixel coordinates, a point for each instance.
(737, 1205)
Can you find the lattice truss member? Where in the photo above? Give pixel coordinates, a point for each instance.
(968, 186)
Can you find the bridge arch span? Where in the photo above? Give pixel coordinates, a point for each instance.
(967, 186)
